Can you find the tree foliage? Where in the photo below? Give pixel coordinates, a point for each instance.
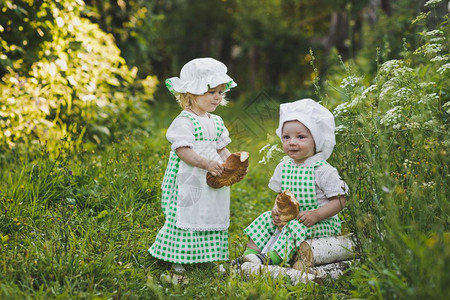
(74, 82)
(132, 23)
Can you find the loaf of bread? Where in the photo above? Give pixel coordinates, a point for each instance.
(287, 207)
(235, 168)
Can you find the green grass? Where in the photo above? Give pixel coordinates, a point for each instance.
(79, 225)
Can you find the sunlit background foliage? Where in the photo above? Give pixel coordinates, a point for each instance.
(74, 81)
(83, 114)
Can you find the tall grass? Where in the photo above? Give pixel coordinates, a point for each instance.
(79, 225)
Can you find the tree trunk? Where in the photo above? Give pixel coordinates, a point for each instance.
(316, 274)
(320, 251)
(315, 260)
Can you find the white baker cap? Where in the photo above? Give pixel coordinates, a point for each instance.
(318, 119)
(200, 74)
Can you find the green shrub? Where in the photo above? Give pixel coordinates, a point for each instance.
(78, 86)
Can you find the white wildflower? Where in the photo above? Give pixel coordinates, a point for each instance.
(349, 82)
(264, 148)
(428, 49)
(392, 117)
(408, 163)
(440, 58)
(413, 125)
(341, 109)
(368, 90)
(424, 85)
(437, 40)
(428, 98)
(395, 68)
(446, 106)
(340, 129)
(403, 92)
(403, 71)
(429, 124)
(432, 2)
(386, 91)
(433, 33)
(266, 158)
(429, 184)
(388, 66)
(443, 68)
(355, 102)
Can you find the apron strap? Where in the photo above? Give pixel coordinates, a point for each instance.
(220, 126)
(198, 131)
(320, 163)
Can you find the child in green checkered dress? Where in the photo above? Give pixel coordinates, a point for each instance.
(306, 130)
(197, 216)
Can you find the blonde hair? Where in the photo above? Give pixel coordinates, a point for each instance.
(186, 100)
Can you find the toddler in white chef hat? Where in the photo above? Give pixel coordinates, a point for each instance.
(318, 120)
(195, 213)
(306, 130)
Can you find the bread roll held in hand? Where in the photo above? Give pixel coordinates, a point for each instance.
(235, 168)
(287, 207)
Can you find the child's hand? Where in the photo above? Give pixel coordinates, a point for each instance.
(275, 217)
(215, 168)
(308, 218)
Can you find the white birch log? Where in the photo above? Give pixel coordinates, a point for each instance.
(316, 274)
(321, 251)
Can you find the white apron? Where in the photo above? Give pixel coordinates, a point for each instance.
(199, 206)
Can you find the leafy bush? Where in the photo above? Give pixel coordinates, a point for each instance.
(79, 86)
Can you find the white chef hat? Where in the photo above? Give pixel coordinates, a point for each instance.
(318, 119)
(200, 74)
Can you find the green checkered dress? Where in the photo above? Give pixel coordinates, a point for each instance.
(300, 180)
(176, 245)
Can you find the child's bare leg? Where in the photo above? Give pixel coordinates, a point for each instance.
(251, 245)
